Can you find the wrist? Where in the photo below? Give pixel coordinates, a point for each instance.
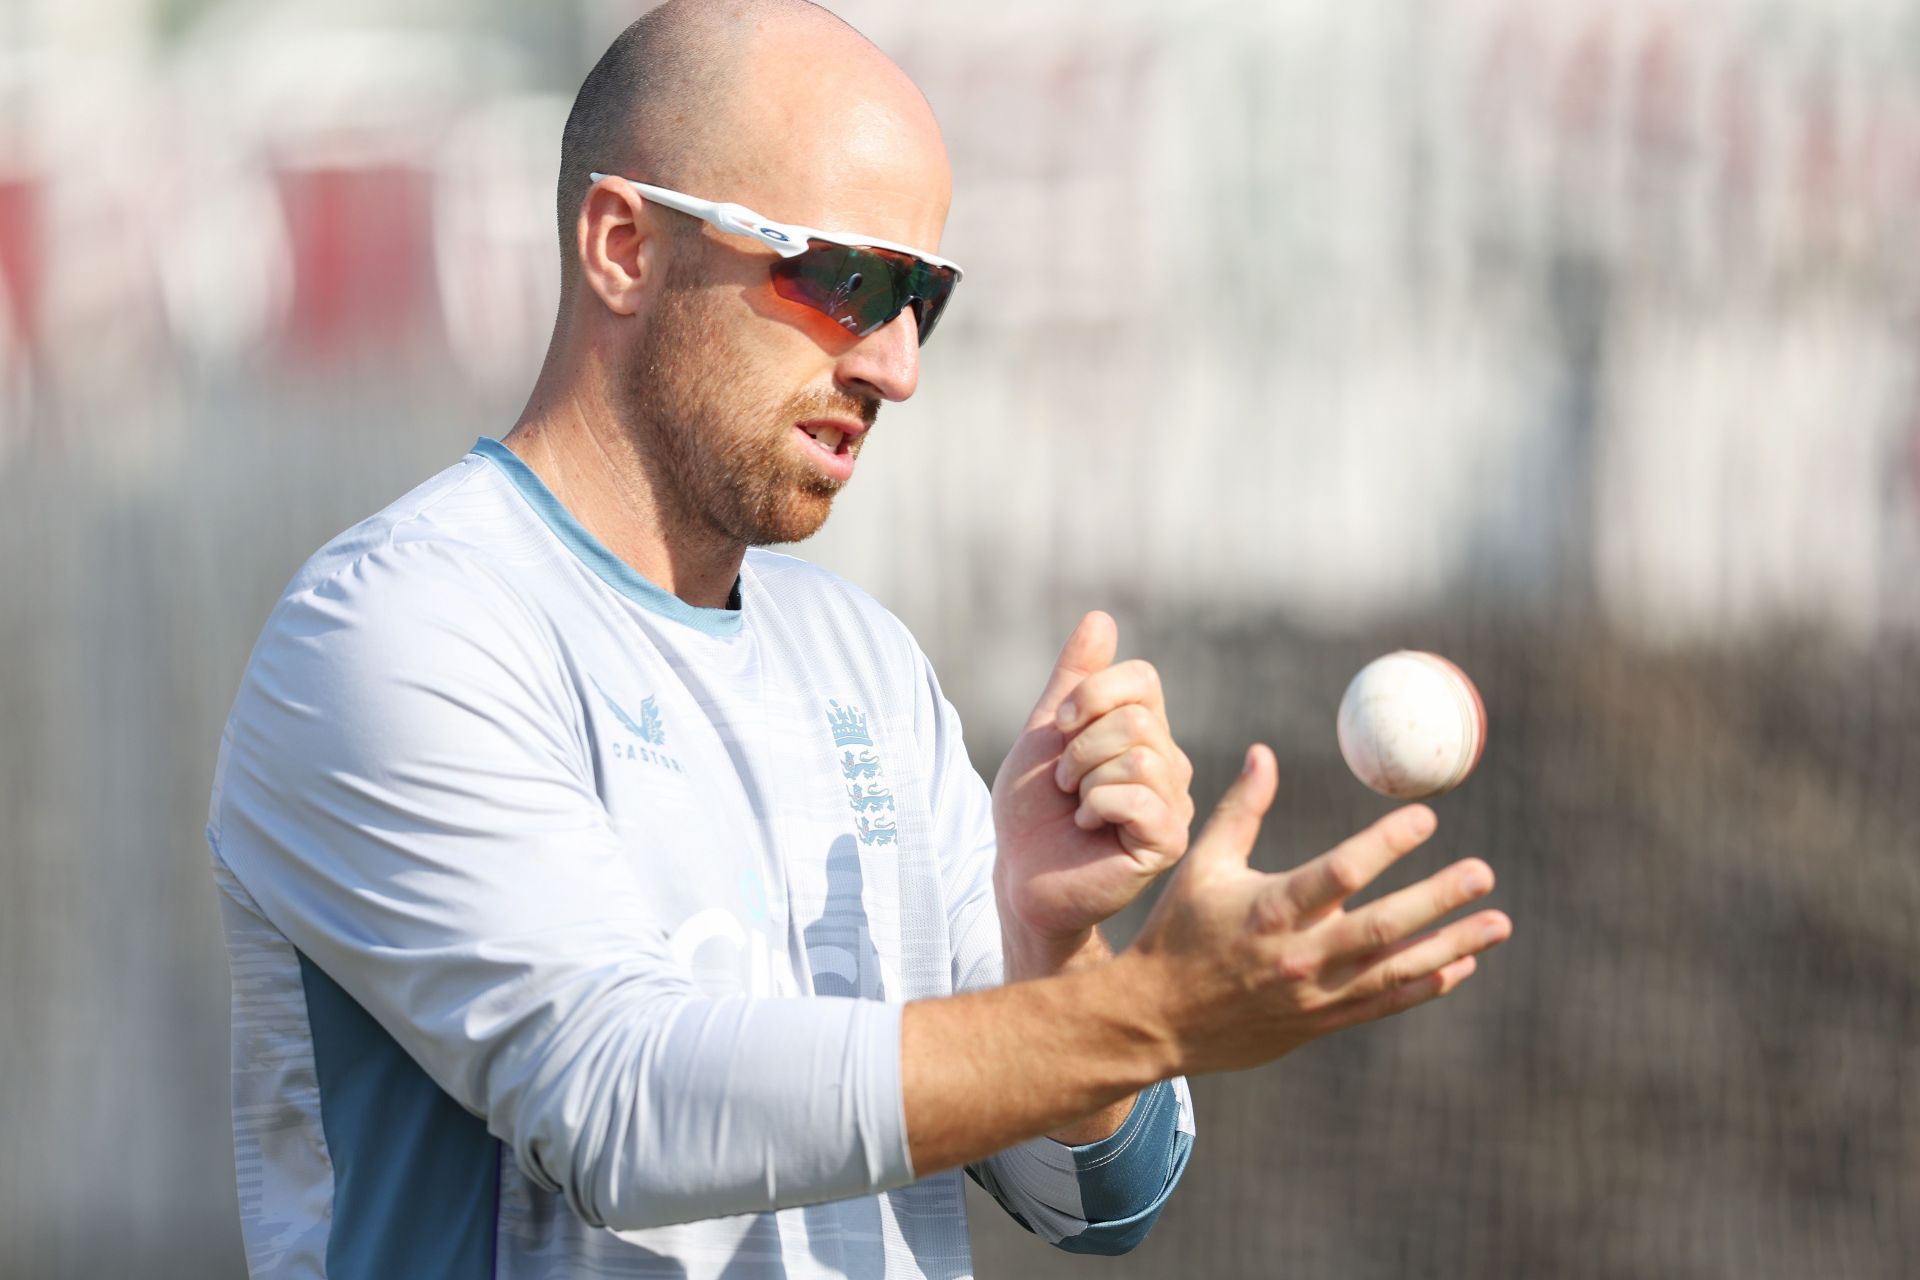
(1127, 991)
(1031, 952)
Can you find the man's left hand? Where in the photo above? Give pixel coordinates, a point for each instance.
(1092, 802)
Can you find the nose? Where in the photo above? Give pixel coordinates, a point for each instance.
(885, 363)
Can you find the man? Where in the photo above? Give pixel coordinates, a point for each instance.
(606, 898)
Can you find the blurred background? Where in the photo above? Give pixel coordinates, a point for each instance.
(1576, 339)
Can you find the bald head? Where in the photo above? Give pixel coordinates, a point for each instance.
(732, 406)
(703, 96)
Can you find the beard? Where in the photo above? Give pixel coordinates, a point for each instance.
(721, 436)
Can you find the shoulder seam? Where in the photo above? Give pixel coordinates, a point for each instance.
(388, 542)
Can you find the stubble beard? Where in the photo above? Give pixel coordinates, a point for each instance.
(728, 469)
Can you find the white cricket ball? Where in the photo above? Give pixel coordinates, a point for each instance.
(1412, 725)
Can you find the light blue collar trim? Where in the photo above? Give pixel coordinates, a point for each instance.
(593, 553)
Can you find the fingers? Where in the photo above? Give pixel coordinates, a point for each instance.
(1111, 737)
(1143, 794)
(1398, 999)
(1235, 824)
(1089, 649)
(1145, 819)
(1355, 862)
(1415, 959)
(1133, 681)
(1398, 916)
(1145, 770)
(1145, 823)
(1114, 739)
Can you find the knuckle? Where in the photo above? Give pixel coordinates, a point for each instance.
(1138, 720)
(1079, 754)
(1344, 875)
(1139, 761)
(1089, 689)
(1295, 967)
(1376, 932)
(1271, 913)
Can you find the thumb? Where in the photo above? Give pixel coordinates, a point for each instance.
(1090, 648)
(1231, 831)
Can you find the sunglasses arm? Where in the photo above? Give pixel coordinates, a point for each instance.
(785, 240)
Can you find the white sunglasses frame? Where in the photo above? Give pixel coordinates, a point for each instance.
(787, 239)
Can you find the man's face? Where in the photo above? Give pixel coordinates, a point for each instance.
(758, 406)
(719, 409)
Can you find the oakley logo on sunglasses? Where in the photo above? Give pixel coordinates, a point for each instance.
(846, 288)
(859, 282)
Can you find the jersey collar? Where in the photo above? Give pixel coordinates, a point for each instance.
(593, 553)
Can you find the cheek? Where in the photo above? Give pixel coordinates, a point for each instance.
(751, 375)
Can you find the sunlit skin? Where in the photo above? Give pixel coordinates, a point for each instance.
(824, 131)
(666, 420)
(839, 140)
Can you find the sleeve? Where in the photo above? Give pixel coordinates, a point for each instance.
(1105, 1196)
(407, 797)
(1099, 1198)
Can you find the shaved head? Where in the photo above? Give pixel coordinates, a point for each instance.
(739, 410)
(666, 102)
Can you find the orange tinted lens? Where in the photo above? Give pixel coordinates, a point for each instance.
(862, 289)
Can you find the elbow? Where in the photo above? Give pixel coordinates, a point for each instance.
(577, 1111)
(1102, 1245)
(1124, 1189)
(710, 1108)
(589, 1136)
(1111, 1239)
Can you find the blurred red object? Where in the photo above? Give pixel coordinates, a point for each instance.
(362, 257)
(20, 255)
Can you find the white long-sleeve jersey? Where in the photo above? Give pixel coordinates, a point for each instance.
(570, 924)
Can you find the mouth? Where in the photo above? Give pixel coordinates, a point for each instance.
(831, 443)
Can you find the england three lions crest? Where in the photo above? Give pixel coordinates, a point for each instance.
(863, 774)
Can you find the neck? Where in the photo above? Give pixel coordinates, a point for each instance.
(572, 439)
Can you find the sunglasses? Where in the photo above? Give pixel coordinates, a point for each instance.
(857, 282)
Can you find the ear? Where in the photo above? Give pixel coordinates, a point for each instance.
(620, 245)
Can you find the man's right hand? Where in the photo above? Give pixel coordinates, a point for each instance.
(1233, 968)
(1238, 967)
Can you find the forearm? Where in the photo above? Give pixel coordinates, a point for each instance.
(714, 1107)
(1027, 958)
(983, 1071)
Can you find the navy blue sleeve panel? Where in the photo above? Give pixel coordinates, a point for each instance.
(1103, 1197)
(1127, 1176)
(416, 1175)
